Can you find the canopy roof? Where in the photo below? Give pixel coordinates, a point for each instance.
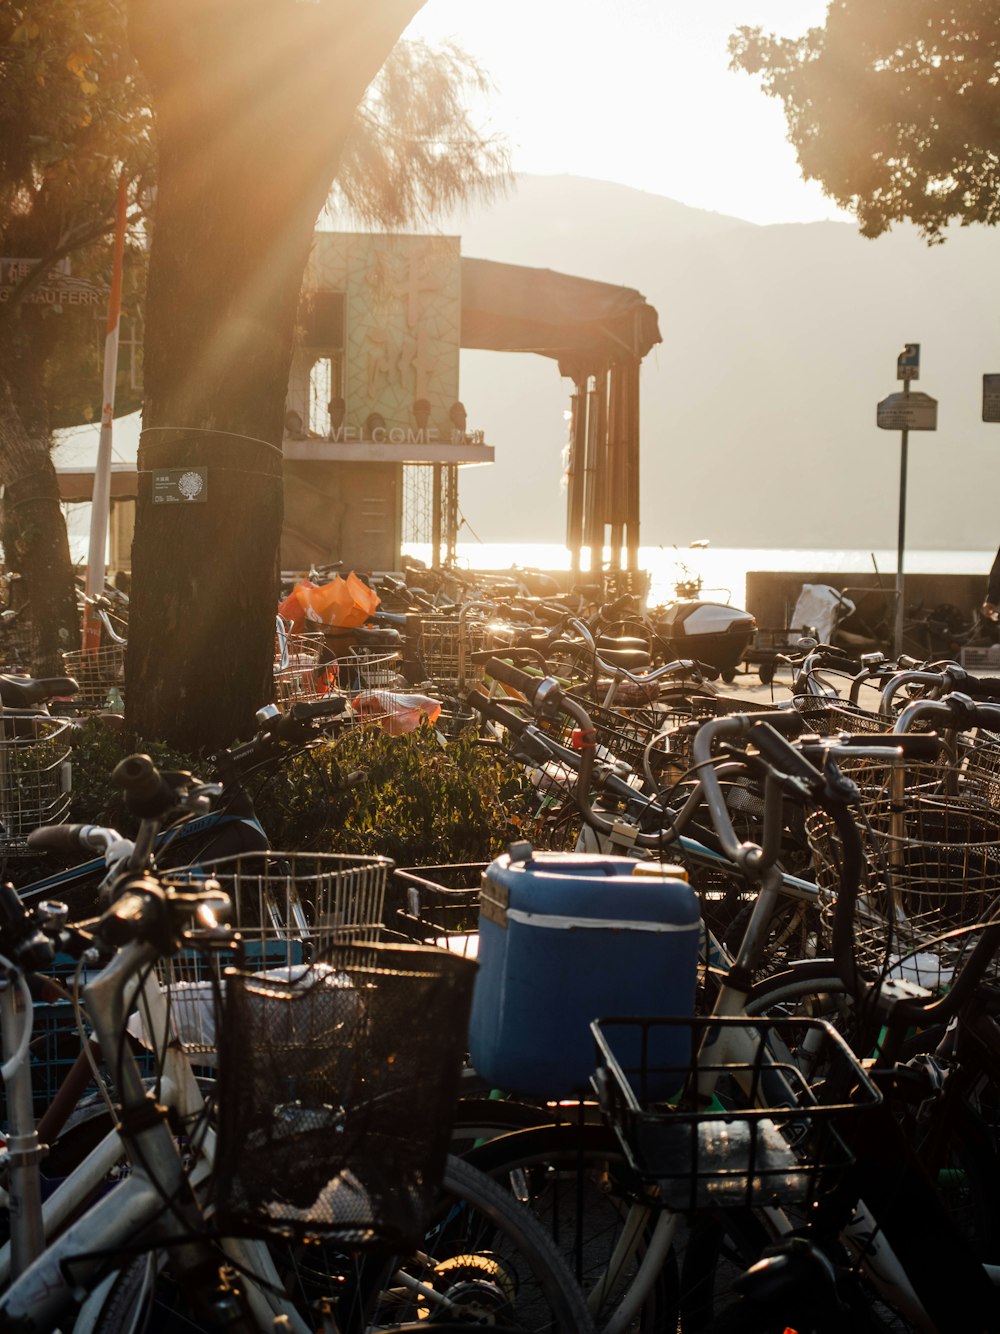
(586, 326)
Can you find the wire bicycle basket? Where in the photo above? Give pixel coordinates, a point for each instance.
(447, 644)
(35, 776)
(336, 1094)
(289, 909)
(827, 715)
(98, 672)
(932, 867)
(299, 673)
(715, 1112)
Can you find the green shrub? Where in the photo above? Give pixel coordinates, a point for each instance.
(420, 802)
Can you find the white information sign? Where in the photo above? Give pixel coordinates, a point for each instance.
(908, 362)
(991, 398)
(907, 412)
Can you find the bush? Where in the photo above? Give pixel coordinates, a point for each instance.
(421, 801)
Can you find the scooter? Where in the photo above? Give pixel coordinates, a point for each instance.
(695, 626)
(711, 632)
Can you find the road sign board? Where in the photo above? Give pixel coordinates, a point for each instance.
(908, 362)
(907, 412)
(57, 288)
(991, 398)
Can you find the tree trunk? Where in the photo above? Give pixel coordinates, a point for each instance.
(34, 538)
(253, 101)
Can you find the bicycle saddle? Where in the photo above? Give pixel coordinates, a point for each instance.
(618, 642)
(632, 659)
(27, 692)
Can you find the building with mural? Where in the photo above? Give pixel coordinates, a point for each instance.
(375, 428)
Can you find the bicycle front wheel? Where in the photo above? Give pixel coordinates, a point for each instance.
(483, 1259)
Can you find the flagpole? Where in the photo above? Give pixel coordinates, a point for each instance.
(101, 499)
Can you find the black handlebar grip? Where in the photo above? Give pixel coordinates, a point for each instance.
(783, 755)
(495, 711)
(137, 775)
(967, 714)
(511, 676)
(914, 746)
(146, 793)
(981, 687)
(921, 747)
(706, 669)
(786, 721)
(837, 659)
(56, 838)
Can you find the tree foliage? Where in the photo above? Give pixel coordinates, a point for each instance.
(414, 149)
(71, 118)
(67, 130)
(893, 106)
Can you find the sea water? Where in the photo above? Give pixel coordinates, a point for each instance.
(723, 570)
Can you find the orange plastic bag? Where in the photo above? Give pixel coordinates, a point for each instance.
(293, 608)
(342, 602)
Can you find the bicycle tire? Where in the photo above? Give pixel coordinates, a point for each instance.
(573, 1176)
(486, 1254)
(965, 1160)
(498, 1263)
(120, 1305)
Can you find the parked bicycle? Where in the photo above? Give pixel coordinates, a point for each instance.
(335, 1067)
(867, 1244)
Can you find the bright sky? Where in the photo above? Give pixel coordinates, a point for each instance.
(639, 92)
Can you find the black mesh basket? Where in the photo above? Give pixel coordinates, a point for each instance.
(337, 1092)
(717, 1112)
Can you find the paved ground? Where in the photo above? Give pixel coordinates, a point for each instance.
(747, 685)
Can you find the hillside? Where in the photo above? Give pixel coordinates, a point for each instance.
(758, 410)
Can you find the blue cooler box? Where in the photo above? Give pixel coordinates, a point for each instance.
(565, 938)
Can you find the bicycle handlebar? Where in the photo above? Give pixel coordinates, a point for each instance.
(70, 838)
(538, 690)
(955, 711)
(495, 711)
(780, 753)
(147, 793)
(290, 727)
(982, 687)
(925, 746)
(151, 914)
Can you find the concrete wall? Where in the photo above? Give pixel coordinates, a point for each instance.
(342, 511)
(771, 594)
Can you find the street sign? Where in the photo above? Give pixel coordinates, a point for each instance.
(991, 398)
(908, 362)
(58, 287)
(907, 412)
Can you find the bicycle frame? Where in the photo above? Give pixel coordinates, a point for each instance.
(136, 1207)
(863, 1233)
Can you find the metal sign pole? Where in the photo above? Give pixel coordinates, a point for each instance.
(901, 540)
(905, 412)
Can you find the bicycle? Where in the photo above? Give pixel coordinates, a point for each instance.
(775, 751)
(509, 1270)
